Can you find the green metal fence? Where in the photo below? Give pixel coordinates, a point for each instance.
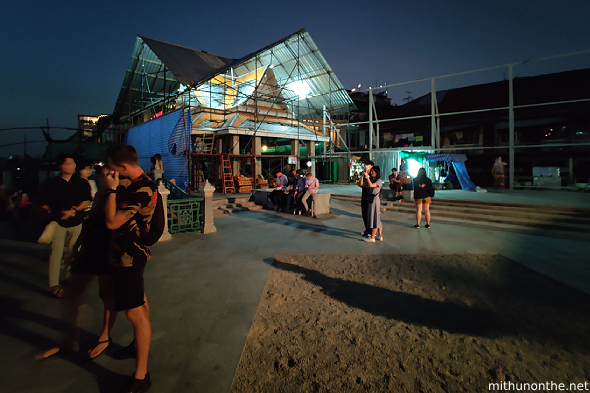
(184, 211)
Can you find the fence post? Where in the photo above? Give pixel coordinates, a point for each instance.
(164, 192)
(206, 191)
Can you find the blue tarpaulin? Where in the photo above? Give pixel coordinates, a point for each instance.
(165, 135)
(463, 176)
(458, 161)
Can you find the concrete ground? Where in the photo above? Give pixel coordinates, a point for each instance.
(204, 289)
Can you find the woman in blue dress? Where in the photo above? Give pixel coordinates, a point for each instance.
(374, 182)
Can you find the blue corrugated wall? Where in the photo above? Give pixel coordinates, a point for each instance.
(165, 135)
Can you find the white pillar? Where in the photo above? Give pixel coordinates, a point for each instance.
(158, 173)
(206, 191)
(164, 192)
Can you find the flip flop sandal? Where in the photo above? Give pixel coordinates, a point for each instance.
(107, 342)
(56, 292)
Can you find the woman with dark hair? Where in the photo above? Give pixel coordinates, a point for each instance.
(422, 192)
(374, 185)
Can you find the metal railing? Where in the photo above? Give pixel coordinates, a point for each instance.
(184, 210)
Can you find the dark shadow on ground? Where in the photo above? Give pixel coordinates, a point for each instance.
(451, 317)
(13, 318)
(516, 302)
(306, 224)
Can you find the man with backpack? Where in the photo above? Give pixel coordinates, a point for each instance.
(130, 213)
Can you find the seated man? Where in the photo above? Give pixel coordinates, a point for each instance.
(292, 177)
(395, 183)
(311, 191)
(277, 196)
(299, 192)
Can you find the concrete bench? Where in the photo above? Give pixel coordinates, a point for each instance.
(322, 200)
(389, 194)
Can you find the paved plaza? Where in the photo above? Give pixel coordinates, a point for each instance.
(204, 289)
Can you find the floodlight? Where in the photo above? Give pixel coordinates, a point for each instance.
(301, 88)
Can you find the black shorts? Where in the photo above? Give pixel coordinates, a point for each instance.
(128, 287)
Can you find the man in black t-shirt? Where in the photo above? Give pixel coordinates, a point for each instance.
(127, 211)
(65, 197)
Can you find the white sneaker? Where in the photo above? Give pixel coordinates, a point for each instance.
(369, 240)
(380, 238)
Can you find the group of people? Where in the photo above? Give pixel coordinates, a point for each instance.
(371, 184)
(295, 191)
(108, 240)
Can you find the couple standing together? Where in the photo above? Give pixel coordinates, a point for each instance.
(371, 184)
(113, 244)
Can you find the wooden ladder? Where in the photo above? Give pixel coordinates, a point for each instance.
(227, 176)
(204, 143)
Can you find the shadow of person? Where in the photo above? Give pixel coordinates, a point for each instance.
(304, 225)
(18, 323)
(447, 316)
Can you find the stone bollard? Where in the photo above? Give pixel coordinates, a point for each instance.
(206, 191)
(164, 192)
(158, 173)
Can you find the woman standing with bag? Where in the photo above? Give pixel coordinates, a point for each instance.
(423, 191)
(374, 183)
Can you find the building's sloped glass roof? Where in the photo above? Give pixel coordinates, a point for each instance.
(289, 76)
(301, 78)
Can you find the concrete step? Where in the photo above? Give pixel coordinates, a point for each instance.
(543, 217)
(233, 205)
(515, 212)
(224, 201)
(542, 222)
(516, 207)
(230, 210)
(546, 222)
(497, 206)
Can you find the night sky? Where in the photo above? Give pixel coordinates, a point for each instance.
(64, 58)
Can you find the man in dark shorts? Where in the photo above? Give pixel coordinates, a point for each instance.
(126, 210)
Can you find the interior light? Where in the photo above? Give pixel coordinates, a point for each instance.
(359, 86)
(264, 148)
(271, 66)
(413, 167)
(301, 88)
(308, 163)
(353, 89)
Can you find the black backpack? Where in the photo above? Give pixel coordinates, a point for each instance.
(157, 224)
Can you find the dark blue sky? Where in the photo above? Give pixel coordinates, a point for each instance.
(64, 58)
